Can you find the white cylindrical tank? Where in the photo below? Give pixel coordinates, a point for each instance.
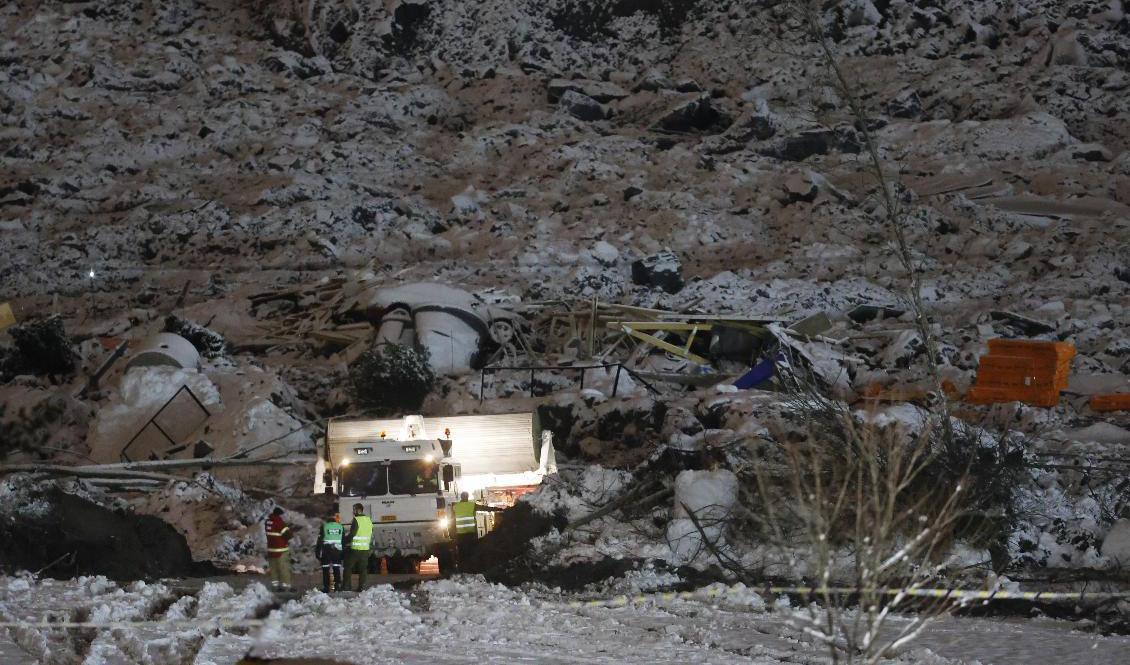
(165, 349)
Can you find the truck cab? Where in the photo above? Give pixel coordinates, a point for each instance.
(406, 488)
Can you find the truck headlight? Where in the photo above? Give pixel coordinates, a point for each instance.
(442, 522)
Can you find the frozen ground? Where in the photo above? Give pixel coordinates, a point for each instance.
(468, 621)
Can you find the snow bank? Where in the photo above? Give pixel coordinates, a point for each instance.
(577, 496)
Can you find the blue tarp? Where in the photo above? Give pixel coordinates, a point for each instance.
(761, 372)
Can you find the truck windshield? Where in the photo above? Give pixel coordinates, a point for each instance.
(413, 477)
(364, 480)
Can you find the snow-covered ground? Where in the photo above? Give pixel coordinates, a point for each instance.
(466, 620)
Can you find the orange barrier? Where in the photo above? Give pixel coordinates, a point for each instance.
(1111, 402)
(1021, 370)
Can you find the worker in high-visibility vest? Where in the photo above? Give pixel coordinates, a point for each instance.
(358, 542)
(328, 551)
(278, 550)
(466, 530)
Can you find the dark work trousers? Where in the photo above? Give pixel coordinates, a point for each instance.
(466, 543)
(331, 566)
(356, 559)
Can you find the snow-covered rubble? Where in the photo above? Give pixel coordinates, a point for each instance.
(692, 156)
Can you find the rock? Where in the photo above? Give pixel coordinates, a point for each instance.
(582, 107)
(661, 270)
(605, 253)
(293, 64)
(756, 125)
(1022, 324)
(631, 192)
(798, 187)
(699, 115)
(902, 350)
(800, 147)
(591, 447)
(1066, 49)
(688, 85)
(905, 104)
(1116, 545)
(1017, 250)
(653, 81)
(1091, 152)
(861, 12)
(41, 347)
(866, 313)
(172, 17)
(601, 91)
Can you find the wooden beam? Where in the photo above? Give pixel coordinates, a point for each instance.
(666, 346)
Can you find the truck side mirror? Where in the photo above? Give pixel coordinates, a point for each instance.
(448, 474)
(328, 481)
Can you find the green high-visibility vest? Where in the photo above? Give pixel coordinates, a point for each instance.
(364, 533)
(332, 533)
(464, 516)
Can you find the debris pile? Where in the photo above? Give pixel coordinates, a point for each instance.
(626, 216)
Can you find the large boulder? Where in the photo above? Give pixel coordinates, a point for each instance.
(582, 107)
(700, 114)
(661, 270)
(602, 91)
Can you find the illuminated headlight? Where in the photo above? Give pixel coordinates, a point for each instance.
(442, 522)
(429, 458)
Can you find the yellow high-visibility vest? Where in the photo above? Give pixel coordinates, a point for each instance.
(364, 533)
(464, 516)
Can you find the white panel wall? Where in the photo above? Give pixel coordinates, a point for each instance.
(493, 444)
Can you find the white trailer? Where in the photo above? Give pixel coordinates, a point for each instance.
(407, 472)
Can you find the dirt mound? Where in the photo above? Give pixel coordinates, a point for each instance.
(499, 554)
(69, 536)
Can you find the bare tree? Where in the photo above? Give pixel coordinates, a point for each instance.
(893, 210)
(865, 516)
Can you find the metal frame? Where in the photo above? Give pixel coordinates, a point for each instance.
(620, 367)
(153, 420)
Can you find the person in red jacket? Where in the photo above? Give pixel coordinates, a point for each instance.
(278, 550)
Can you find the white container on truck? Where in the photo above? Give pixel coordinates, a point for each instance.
(408, 472)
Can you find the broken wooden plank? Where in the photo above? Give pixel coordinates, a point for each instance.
(1045, 207)
(666, 346)
(947, 183)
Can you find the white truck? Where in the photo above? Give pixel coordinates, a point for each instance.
(408, 472)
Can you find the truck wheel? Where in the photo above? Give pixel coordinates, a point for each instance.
(400, 565)
(446, 558)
